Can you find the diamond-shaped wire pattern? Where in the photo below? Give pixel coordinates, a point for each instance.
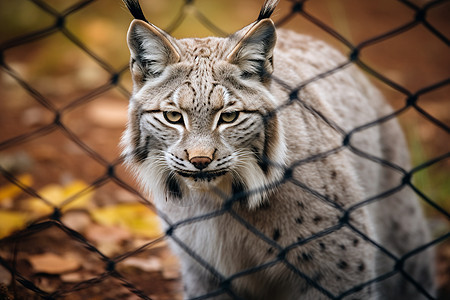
(60, 112)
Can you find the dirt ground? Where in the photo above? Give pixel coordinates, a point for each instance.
(50, 162)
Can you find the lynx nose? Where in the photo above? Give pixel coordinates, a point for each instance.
(200, 162)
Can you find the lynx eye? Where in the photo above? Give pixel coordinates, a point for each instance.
(173, 117)
(229, 117)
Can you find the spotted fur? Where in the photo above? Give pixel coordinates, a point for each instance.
(210, 128)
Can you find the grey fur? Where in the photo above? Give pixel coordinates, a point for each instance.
(207, 80)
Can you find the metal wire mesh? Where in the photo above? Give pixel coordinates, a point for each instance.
(299, 9)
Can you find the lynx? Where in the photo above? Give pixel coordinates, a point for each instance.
(247, 146)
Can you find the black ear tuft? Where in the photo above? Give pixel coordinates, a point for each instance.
(135, 9)
(267, 9)
(253, 54)
(152, 51)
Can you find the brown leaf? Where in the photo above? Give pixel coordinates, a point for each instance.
(108, 239)
(150, 264)
(107, 234)
(76, 220)
(76, 277)
(52, 263)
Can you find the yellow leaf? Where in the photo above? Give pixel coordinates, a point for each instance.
(11, 221)
(82, 200)
(11, 190)
(135, 217)
(52, 193)
(57, 195)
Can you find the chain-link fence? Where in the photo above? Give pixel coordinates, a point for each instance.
(60, 127)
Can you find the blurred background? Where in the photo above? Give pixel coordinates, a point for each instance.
(64, 88)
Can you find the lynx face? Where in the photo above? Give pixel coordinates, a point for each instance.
(201, 117)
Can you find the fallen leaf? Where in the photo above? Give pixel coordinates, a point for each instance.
(11, 190)
(72, 189)
(107, 234)
(11, 221)
(52, 263)
(135, 217)
(150, 264)
(76, 220)
(72, 277)
(77, 277)
(108, 239)
(57, 195)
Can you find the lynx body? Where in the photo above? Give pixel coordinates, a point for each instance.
(269, 179)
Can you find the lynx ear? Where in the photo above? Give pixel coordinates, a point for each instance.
(254, 52)
(151, 50)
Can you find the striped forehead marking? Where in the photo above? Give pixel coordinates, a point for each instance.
(188, 98)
